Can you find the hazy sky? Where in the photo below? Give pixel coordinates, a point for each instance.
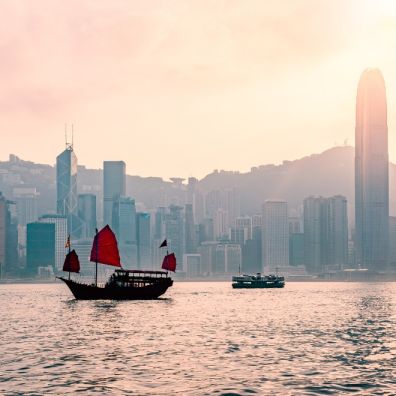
(179, 88)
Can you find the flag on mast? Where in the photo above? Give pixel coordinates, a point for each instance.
(67, 244)
(164, 243)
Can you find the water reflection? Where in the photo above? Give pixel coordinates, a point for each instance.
(368, 339)
(202, 338)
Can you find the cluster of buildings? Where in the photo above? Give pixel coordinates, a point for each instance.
(207, 231)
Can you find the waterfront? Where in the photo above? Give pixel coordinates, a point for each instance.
(201, 339)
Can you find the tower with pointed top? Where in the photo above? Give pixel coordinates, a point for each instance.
(371, 172)
(66, 186)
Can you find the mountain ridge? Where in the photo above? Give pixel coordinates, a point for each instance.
(328, 173)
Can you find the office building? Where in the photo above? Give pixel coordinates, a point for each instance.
(275, 235)
(228, 258)
(114, 186)
(207, 250)
(192, 264)
(66, 188)
(87, 214)
(61, 235)
(190, 231)
(143, 236)
(124, 226)
(392, 242)
(220, 224)
(40, 247)
(26, 199)
(325, 234)
(174, 230)
(8, 238)
(371, 172)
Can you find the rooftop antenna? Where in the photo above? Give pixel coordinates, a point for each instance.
(66, 134)
(72, 141)
(69, 146)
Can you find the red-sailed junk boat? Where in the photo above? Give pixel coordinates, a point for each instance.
(123, 284)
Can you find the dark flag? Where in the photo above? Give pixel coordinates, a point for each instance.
(163, 243)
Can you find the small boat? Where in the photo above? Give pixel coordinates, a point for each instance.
(257, 281)
(123, 284)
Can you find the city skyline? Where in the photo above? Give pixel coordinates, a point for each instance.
(201, 90)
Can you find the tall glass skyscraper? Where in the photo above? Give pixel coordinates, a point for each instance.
(87, 213)
(114, 181)
(66, 187)
(371, 172)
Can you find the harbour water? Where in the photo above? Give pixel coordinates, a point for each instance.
(201, 339)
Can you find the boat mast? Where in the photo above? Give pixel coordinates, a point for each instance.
(96, 261)
(69, 253)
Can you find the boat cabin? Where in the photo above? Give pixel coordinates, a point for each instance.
(137, 278)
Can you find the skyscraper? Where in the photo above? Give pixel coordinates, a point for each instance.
(124, 226)
(325, 233)
(337, 232)
(40, 246)
(275, 245)
(66, 187)
(189, 234)
(143, 240)
(371, 172)
(61, 234)
(114, 182)
(3, 230)
(8, 237)
(174, 229)
(26, 199)
(87, 214)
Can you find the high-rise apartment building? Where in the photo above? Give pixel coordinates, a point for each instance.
(275, 235)
(371, 172)
(114, 186)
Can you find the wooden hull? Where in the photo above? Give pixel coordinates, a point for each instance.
(151, 291)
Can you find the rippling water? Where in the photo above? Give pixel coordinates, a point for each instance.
(202, 339)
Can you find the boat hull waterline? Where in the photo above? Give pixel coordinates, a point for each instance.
(82, 291)
(258, 285)
(258, 282)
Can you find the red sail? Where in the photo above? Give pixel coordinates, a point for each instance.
(169, 262)
(105, 248)
(71, 264)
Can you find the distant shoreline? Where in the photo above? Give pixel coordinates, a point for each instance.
(55, 281)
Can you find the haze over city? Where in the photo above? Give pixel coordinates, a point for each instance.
(181, 88)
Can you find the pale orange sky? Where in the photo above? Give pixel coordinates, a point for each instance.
(179, 88)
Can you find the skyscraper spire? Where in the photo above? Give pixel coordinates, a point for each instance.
(371, 172)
